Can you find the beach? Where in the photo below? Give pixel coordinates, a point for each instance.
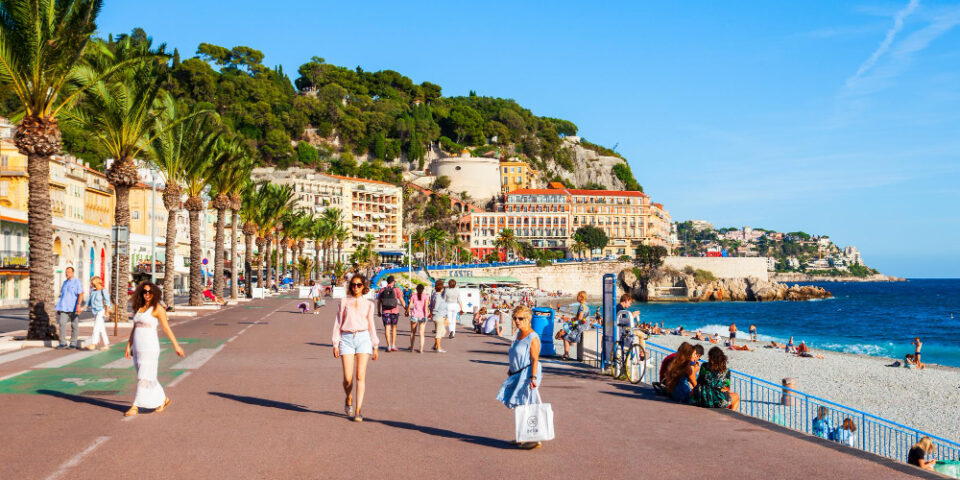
(923, 399)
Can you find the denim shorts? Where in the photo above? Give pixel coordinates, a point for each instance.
(418, 319)
(356, 342)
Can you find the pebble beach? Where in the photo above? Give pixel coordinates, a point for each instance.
(924, 399)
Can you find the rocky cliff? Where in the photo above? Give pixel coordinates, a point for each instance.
(671, 285)
(588, 166)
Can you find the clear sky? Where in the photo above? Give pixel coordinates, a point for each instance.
(838, 118)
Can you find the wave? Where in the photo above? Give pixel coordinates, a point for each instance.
(885, 350)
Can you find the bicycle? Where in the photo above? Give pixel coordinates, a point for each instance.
(628, 359)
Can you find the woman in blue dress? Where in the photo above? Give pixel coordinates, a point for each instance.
(523, 380)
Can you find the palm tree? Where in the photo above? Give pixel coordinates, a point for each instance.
(334, 220)
(236, 204)
(250, 209)
(507, 241)
(435, 237)
(279, 199)
(226, 176)
(321, 231)
(201, 168)
(41, 46)
(341, 234)
(123, 113)
(578, 248)
(172, 152)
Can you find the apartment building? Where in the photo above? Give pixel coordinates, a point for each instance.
(368, 207)
(547, 218)
(516, 175)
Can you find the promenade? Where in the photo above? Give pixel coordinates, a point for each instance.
(258, 396)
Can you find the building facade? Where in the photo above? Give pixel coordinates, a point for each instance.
(516, 175)
(367, 207)
(548, 218)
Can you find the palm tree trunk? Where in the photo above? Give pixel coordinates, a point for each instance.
(40, 234)
(261, 268)
(218, 251)
(196, 275)
(269, 267)
(316, 261)
(170, 257)
(121, 218)
(248, 258)
(282, 270)
(234, 270)
(296, 271)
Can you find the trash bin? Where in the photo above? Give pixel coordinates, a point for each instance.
(542, 323)
(786, 399)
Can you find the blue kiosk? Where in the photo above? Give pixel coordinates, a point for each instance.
(542, 323)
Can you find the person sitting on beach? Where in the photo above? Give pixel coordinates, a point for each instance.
(847, 433)
(715, 338)
(699, 336)
(743, 348)
(713, 384)
(910, 361)
(804, 351)
(918, 453)
(774, 344)
(822, 425)
(789, 347)
(678, 330)
(681, 377)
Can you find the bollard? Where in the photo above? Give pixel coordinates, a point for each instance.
(786, 398)
(580, 349)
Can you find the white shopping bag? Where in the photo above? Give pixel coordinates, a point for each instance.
(534, 422)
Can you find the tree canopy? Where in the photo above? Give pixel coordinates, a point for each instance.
(594, 238)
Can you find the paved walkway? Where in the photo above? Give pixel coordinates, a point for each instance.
(259, 397)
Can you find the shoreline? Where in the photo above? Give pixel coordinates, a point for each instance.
(802, 277)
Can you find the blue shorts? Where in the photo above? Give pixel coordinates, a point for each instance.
(357, 342)
(418, 319)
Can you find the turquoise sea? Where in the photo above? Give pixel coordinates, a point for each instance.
(878, 319)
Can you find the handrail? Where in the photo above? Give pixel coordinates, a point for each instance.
(877, 431)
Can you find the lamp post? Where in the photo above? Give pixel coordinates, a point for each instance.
(153, 227)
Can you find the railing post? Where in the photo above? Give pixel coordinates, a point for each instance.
(752, 400)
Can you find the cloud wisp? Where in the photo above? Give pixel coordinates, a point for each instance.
(898, 20)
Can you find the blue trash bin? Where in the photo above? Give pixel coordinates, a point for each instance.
(542, 323)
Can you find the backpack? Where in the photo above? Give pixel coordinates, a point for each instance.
(388, 298)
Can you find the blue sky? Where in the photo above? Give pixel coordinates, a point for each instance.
(838, 118)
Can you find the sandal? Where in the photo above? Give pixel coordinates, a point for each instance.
(347, 409)
(358, 417)
(163, 407)
(133, 411)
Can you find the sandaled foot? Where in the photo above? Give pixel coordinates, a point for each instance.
(163, 407)
(530, 445)
(133, 411)
(348, 409)
(358, 418)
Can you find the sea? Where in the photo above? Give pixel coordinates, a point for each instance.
(870, 318)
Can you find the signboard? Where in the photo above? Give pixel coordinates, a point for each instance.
(204, 261)
(120, 234)
(609, 304)
(15, 262)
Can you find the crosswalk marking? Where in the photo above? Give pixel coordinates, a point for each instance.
(123, 362)
(196, 359)
(8, 377)
(66, 360)
(26, 352)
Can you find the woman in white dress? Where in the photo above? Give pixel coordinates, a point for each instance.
(145, 346)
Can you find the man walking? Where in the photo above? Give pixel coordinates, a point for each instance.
(68, 309)
(389, 302)
(451, 295)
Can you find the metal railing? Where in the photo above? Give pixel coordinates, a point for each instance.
(797, 411)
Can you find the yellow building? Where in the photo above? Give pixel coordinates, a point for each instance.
(14, 271)
(13, 177)
(515, 175)
(658, 227)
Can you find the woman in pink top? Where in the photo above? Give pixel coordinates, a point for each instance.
(355, 341)
(419, 311)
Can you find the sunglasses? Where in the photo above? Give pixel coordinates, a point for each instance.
(356, 284)
(148, 292)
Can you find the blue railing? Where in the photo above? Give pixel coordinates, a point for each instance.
(797, 410)
(456, 266)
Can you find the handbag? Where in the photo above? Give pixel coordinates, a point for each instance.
(534, 421)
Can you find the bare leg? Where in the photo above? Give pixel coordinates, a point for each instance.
(413, 333)
(361, 378)
(348, 367)
(423, 326)
(393, 337)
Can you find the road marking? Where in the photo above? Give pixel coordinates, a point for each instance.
(26, 352)
(196, 359)
(123, 362)
(178, 379)
(83, 382)
(66, 360)
(232, 338)
(73, 462)
(13, 375)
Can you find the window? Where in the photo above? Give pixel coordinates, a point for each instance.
(4, 160)
(4, 186)
(135, 215)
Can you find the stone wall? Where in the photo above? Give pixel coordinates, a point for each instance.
(568, 278)
(723, 267)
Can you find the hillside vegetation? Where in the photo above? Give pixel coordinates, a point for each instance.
(349, 115)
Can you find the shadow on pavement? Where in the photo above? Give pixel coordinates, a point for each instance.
(440, 432)
(99, 402)
(315, 344)
(264, 402)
